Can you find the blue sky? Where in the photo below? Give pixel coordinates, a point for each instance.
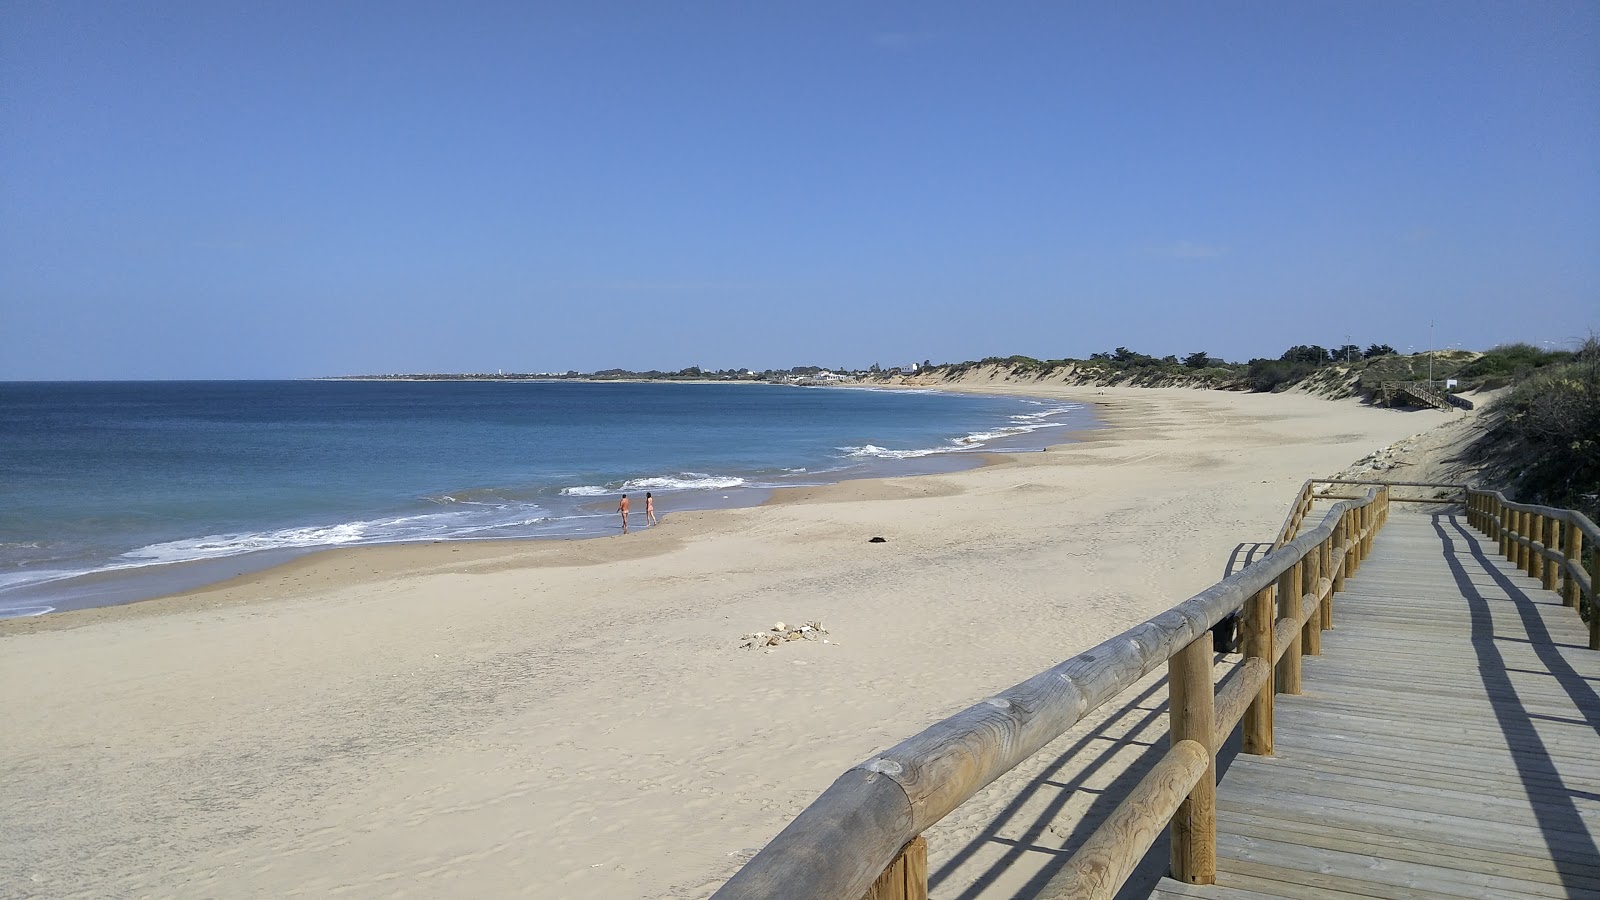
(256, 190)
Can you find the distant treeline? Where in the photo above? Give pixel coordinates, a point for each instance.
(692, 373)
(1355, 367)
(1368, 366)
(1372, 364)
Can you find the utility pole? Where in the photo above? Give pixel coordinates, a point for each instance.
(1347, 349)
(1430, 354)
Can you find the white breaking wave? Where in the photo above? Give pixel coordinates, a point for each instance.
(1046, 413)
(685, 481)
(967, 442)
(1023, 423)
(894, 390)
(216, 546)
(873, 451)
(981, 437)
(20, 577)
(376, 531)
(213, 546)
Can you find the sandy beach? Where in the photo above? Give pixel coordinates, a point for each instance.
(578, 718)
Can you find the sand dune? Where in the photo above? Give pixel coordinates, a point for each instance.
(577, 719)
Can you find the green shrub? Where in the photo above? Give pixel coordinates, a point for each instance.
(1512, 359)
(1276, 374)
(1544, 440)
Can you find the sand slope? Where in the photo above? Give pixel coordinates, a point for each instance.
(576, 719)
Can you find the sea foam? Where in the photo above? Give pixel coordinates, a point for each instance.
(683, 481)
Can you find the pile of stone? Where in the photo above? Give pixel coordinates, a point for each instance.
(1390, 457)
(779, 633)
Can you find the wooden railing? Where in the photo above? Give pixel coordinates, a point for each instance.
(1547, 543)
(1423, 392)
(1301, 507)
(862, 836)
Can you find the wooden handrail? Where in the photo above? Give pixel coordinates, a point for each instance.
(1547, 543)
(838, 846)
(1297, 512)
(1106, 860)
(1308, 496)
(1423, 391)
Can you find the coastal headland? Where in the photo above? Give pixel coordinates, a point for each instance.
(578, 718)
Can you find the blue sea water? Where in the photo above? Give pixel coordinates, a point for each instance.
(102, 482)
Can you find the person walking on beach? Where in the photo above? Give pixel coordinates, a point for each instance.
(623, 508)
(650, 510)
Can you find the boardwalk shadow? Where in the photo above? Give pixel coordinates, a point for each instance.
(1544, 644)
(1568, 840)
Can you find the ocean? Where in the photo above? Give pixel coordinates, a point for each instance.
(118, 491)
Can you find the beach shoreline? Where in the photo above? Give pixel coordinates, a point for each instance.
(577, 718)
(180, 585)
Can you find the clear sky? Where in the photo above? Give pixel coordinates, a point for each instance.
(284, 189)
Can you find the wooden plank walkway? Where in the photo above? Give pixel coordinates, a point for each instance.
(1447, 743)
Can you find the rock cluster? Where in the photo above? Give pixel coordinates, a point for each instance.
(1378, 462)
(779, 633)
(1390, 457)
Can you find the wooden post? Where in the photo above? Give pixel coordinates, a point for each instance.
(1354, 559)
(1535, 557)
(1371, 530)
(1508, 534)
(1552, 541)
(907, 877)
(1325, 621)
(1361, 537)
(1505, 530)
(1311, 631)
(1570, 591)
(1594, 600)
(1341, 541)
(1358, 522)
(1525, 529)
(1257, 642)
(1352, 542)
(1190, 714)
(1287, 674)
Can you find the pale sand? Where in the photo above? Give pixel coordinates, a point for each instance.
(576, 719)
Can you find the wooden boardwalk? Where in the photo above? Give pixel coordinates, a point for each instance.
(1447, 743)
